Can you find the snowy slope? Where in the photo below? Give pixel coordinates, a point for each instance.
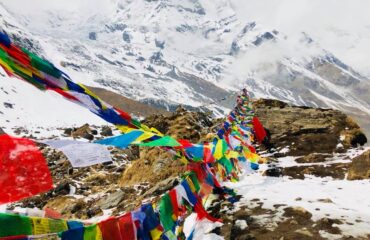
(24, 106)
(192, 52)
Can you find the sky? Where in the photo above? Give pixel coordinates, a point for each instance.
(340, 26)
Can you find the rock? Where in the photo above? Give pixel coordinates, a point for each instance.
(310, 129)
(78, 206)
(83, 131)
(88, 136)
(94, 211)
(300, 214)
(94, 132)
(2, 131)
(325, 200)
(305, 232)
(162, 186)
(111, 200)
(326, 224)
(106, 131)
(313, 158)
(353, 136)
(335, 170)
(68, 131)
(8, 105)
(359, 168)
(62, 188)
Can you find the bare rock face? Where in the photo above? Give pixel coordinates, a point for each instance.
(308, 130)
(360, 167)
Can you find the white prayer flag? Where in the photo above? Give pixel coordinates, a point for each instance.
(81, 154)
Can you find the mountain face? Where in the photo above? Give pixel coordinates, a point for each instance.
(195, 52)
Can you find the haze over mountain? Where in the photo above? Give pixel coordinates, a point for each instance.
(197, 52)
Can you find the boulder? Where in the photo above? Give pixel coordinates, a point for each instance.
(83, 132)
(307, 130)
(106, 131)
(111, 200)
(359, 168)
(162, 186)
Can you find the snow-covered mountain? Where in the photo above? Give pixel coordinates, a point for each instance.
(192, 52)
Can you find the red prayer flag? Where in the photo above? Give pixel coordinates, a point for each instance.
(259, 131)
(184, 143)
(207, 154)
(110, 229)
(23, 169)
(127, 227)
(20, 237)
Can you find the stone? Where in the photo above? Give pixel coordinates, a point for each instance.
(88, 136)
(162, 186)
(83, 131)
(325, 200)
(2, 131)
(106, 131)
(94, 132)
(111, 200)
(299, 214)
(359, 168)
(62, 188)
(68, 131)
(94, 211)
(304, 231)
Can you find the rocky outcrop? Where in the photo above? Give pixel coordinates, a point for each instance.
(305, 130)
(360, 167)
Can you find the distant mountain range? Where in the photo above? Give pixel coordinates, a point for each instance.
(196, 53)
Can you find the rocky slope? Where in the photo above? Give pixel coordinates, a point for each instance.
(321, 140)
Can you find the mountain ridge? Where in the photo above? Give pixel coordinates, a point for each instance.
(144, 50)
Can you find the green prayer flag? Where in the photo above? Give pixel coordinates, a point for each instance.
(90, 232)
(165, 141)
(166, 212)
(42, 65)
(195, 181)
(227, 164)
(13, 225)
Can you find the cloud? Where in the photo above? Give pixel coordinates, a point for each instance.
(342, 27)
(34, 7)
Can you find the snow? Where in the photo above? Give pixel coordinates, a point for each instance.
(349, 198)
(200, 229)
(38, 111)
(242, 224)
